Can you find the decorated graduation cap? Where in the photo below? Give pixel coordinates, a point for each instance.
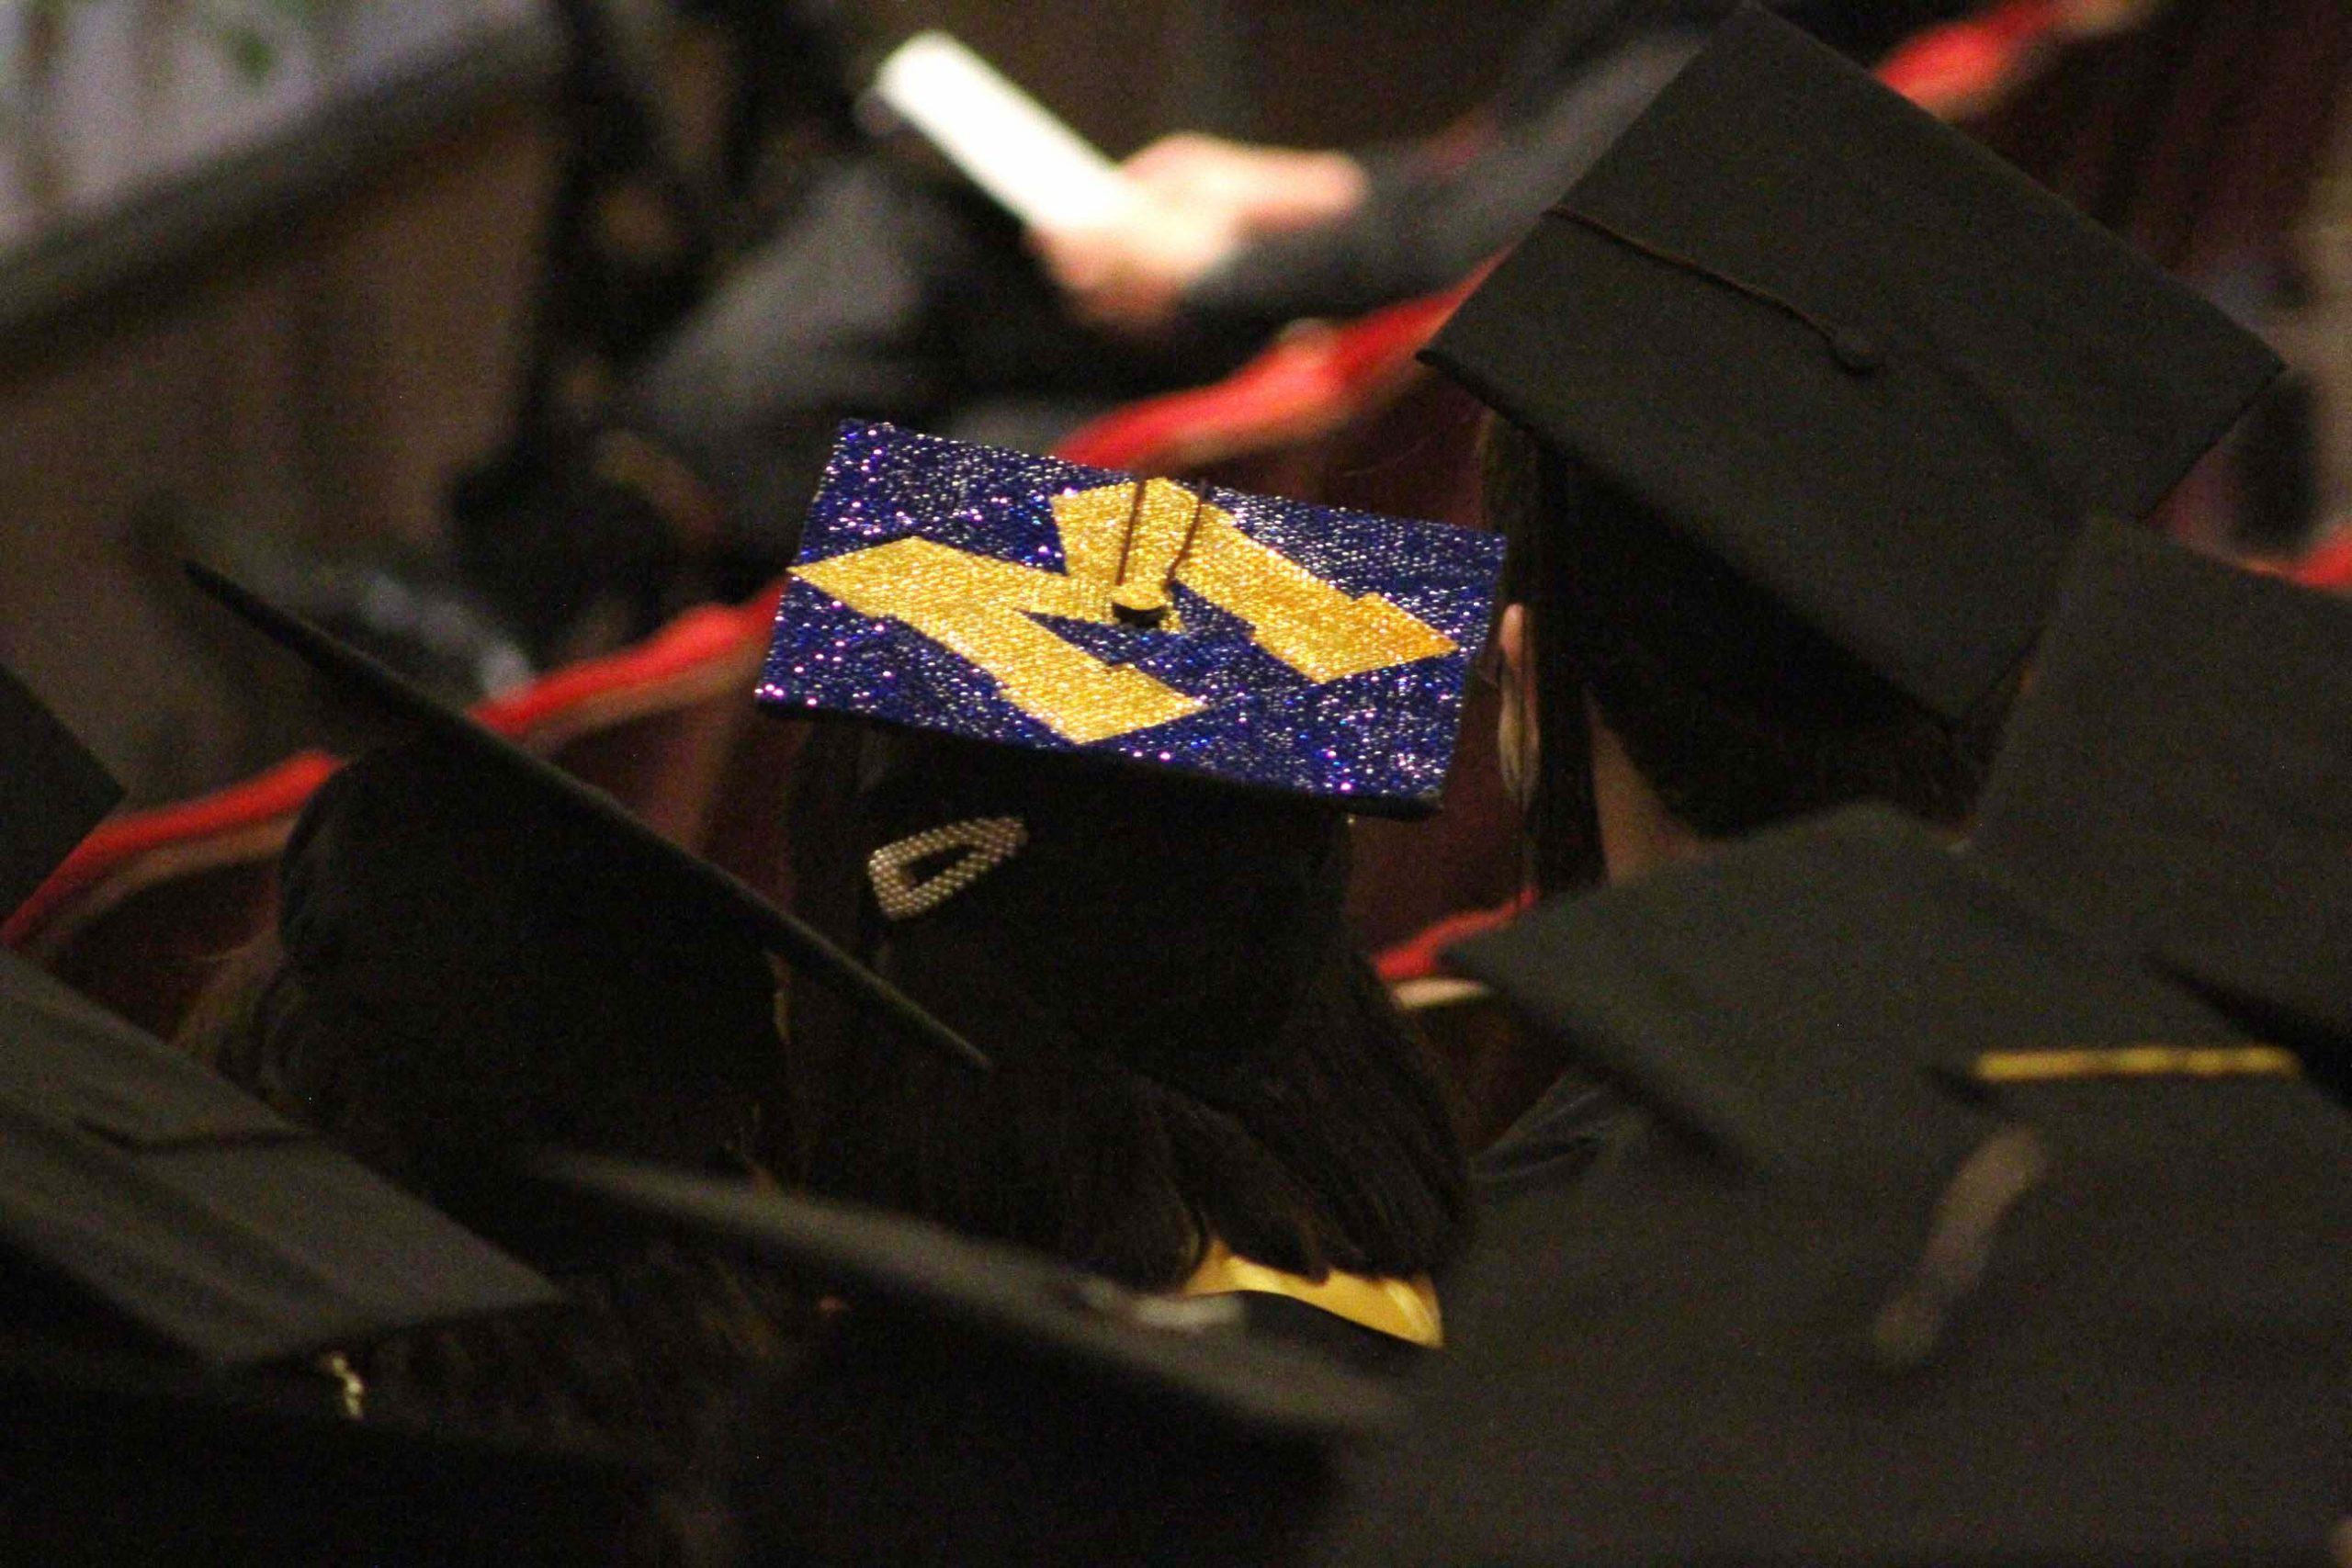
(1877, 372)
(978, 1403)
(669, 870)
(52, 792)
(131, 1177)
(1954, 1237)
(2180, 782)
(1025, 602)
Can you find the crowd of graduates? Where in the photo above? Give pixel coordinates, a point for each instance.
(1939, 943)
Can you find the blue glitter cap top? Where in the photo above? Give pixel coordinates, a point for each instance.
(1004, 597)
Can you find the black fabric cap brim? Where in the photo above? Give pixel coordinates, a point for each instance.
(1723, 996)
(362, 679)
(116, 1458)
(2179, 779)
(993, 1294)
(52, 792)
(199, 1214)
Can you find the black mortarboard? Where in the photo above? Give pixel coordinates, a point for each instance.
(113, 1458)
(1958, 1239)
(2181, 782)
(989, 1292)
(1723, 997)
(52, 792)
(982, 1405)
(367, 683)
(1878, 372)
(190, 1210)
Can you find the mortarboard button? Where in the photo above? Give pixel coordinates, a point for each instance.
(1856, 351)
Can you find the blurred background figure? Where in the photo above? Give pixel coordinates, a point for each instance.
(296, 276)
(885, 293)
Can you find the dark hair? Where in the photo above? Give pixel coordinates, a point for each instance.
(462, 969)
(1187, 1048)
(466, 967)
(1736, 711)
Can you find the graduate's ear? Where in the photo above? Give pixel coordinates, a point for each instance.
(1518, 732)
(1511, 637)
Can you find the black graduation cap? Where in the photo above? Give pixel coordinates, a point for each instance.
(366, 682)
(52, 792)
(1956, 1239)
(2181, 780)
(140, 1179)
(113, 1458)
(993, 1294)
(1878, 372)
(977, 1404)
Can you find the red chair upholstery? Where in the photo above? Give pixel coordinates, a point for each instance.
(1310, 383)
(140, 915)
(2327, 567)
(1967, 67)
(652, 724)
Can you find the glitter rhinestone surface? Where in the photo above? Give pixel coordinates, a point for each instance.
(991, 594)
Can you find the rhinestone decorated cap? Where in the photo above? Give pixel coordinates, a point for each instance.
(1010, 598)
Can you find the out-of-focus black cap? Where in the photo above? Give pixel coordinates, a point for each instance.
(979, 1405)
(114, 1458)
(990, 1293)
(52, 792)
(1751, 1002)
(1955, 1238)
(2181, 782)
(1880, 374)
(131, 1177)
(382, 695)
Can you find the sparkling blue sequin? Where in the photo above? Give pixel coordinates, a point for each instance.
(1379, 741)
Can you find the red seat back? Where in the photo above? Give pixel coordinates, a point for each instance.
(747, 833)
(141, 913)
(652, 724)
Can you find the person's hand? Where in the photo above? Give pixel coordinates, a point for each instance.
(1256, 190)
(1199, 198)
(2099, 18)
(1130, 276)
